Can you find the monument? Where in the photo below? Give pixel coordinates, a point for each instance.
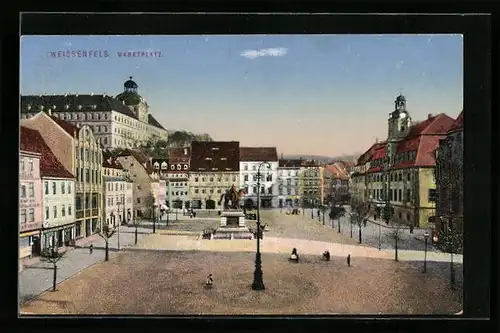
(232, 217)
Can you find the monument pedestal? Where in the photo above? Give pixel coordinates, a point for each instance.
(232, 226)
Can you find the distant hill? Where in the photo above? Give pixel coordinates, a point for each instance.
(325, 159)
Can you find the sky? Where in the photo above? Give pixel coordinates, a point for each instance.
(304, 94)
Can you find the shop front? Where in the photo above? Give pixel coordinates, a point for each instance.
(58, 236)
(29, 244)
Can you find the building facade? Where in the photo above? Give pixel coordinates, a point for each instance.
(450, 178)
(250, 159)
(335, 183)
(122, 121)
(30, 200)
(140, 171)
(118, 193)
(401, 170)
(289, 182)
(310, 186)
(80, 153)
(214, 168)
(178, 177)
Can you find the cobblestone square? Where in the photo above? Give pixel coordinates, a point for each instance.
(164, 282)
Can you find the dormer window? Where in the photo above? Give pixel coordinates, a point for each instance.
(172, 167)
(53, 107)
(94, 107)
(66, 106)
(179, 167)
(185, 167)
(157, 166)
(223, 158)
(41, 107)
(29, 107)
(215, 148)
(79, 107)
(208, 158)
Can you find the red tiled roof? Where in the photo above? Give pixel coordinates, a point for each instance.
(213, 156)
(375, 169)
(458, 124)
(177, 155)
(295, 164)
(258, 154)
(68, 127)
(336, 172)
(32, 141)
(423, 138)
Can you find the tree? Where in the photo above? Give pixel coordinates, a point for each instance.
(53, 256)
(395, 233)
(336, 211)
(451, 241)
(149, 202)
(106, 233)
(359, 216)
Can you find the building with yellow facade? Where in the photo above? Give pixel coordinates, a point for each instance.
(400, 170)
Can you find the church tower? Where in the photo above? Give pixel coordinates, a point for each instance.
(398, 126)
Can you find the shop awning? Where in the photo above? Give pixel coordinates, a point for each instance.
(29, 233)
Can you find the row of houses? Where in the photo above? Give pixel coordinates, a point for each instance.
(70, 186)
(414, 168)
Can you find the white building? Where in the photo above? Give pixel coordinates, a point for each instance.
(118, 193)
(289, 182)
(250, 159)
(121, 121)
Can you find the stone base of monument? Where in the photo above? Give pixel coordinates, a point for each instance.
(232, 226)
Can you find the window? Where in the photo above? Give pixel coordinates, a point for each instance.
(87, 175)
(23, 191)
(54, 211)
(400, 195)
(22, 166)
(196, 190)
(245, 167)
(47, 213)
(179, 167)
(54, 190)
(432, 195)
(69, 188)
(31, 190)
(31, 216)
(400, 215)
(46, 187)
(63, 188)
(63, 210)
(69, 211)
(78, 229)
(23, 215)
(211, 179)
(138, 200)
(408, 216)
(30, 165)
(185, 167)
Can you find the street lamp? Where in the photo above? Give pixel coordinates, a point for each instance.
(426, 237)
(153, 216)
(312, 209)
(258, 282)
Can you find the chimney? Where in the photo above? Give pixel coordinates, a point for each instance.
(429, 116)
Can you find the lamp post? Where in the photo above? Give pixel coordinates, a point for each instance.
(312, 209)
(258, 282)
(153, 216)
(426, 237)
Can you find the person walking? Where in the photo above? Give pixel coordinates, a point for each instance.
(348, 260)
(91, 248)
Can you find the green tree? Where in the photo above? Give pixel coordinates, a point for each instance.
(451, 241)
(52, 255)
(106, 233)
(395, 233)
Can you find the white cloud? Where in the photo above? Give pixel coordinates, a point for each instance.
(272, 52)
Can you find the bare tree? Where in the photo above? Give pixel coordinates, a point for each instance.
(106, 233)
(359, 216)
(52, 255)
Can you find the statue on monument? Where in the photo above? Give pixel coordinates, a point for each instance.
(232, 198)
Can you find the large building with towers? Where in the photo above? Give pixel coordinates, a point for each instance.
(123, 121)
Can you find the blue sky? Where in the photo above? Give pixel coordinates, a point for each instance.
(307, 94)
